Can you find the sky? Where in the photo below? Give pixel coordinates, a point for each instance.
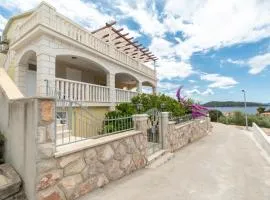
(214, 48)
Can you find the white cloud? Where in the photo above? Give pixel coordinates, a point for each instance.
(236, 62)
(195, 91)
(162, 48)
(219, 81)
(85, 13)
(132, 33)
(207, 24)
(145, 14)
(192, 81)
(3, 22)
(170, 68)
(258, 63)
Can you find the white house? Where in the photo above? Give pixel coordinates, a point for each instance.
(45, 53)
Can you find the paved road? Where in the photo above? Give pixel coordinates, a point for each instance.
(226, 165)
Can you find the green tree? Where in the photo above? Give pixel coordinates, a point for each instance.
(215, 114)
(260, 110)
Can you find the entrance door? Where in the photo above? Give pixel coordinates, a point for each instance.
(31, 83)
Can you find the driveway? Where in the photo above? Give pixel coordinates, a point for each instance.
(226, 165)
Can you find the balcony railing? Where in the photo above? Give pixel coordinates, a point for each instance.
(124, 95)
(59, 23)
(86, 92)
(79, 91)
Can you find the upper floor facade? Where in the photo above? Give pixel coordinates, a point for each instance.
(45, 51)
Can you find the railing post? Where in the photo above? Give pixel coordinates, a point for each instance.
(139, 87)
(112, 93)
(45, 71)
(140, 122)
(163, 127)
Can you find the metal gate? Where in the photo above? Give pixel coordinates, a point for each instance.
(153, 133)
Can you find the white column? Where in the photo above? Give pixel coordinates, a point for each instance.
(20, 77)
(139, 86)
(154, 90)
(111, 84)
(45, 75)
(163, 134)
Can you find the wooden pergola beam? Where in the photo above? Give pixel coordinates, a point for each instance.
(104, 27)
(121, 36)
(126, 45)
(119, 42)
(104, 36)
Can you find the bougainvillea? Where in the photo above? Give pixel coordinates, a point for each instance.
(196, 109)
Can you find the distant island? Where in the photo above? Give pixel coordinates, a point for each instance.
(232, 104)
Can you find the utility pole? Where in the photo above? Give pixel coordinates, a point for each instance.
(245, 103)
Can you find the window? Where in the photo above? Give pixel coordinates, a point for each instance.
(32, 67)
(62, 117)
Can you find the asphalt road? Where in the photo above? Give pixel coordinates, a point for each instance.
(226, 165)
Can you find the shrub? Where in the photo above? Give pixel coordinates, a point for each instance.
(238, 118)
(260, 110)
(116, 121)
(215, 115)
(160, 102)
(148, 102)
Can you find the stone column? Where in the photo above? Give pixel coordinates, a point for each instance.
(47, 14)
(141, 124)
(139, 86)
(111, 84)
(45, 74)
(20, 77)
(163, 127)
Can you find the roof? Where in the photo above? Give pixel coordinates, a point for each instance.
(122, 42)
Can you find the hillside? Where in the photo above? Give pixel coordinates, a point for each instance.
(231, 104)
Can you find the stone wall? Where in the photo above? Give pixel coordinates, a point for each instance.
(179, 135)
(10, 184)
(75, 174)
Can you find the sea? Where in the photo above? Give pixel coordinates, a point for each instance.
(250, 110)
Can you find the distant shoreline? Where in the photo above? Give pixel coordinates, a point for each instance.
(233, 104)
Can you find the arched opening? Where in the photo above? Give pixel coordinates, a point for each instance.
(148, 87)
(125, 81)
(26, 78)
(80, 69)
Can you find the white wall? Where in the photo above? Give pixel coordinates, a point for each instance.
(261, 138)
(20, 141)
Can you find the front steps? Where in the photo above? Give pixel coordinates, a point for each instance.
(159, 158)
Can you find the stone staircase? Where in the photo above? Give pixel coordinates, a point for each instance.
(159, 158)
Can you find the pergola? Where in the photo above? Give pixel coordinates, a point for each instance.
(122, 42)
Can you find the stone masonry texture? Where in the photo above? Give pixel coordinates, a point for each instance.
(180, 135)
(74, 175)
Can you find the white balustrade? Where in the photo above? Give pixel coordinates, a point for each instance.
(65, 26)
(124, 95)
(80, 91)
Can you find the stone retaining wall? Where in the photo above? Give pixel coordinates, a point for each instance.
(74, 175)
(77, 173)
(179, 135)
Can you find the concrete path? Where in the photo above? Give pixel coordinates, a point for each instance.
(226, 165)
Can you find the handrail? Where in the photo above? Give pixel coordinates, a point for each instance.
(72, 81)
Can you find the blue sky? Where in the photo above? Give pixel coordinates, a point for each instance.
(214, 48)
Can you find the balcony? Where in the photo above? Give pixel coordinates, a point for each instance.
(46, 16)
(84, 92)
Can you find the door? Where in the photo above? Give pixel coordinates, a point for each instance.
(31, 83)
